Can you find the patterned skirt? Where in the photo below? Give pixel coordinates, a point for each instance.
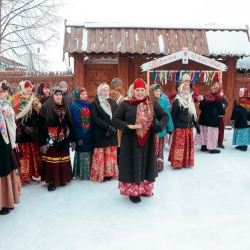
(182, 148)
(31, 161)
(56, 166)
(208, 136)
(18, 180)
(132, 189)
(82, 165)
(160, 156)
(9, 194)
(241, 137)
(104, 163)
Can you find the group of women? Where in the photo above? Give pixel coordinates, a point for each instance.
(112, 136)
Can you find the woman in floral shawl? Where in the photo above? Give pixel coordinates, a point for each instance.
(240, 120)
(26, 107)
(136, 118)
(80, 110)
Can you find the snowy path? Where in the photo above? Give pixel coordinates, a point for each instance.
(205, 208)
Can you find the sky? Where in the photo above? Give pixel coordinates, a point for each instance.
(177, 12)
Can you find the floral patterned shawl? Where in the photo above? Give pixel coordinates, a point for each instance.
(244, 101)
(24, 104)
(81, 114)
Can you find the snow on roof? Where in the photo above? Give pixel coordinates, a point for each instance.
(228, 43)
(243, 63)
(153, 26)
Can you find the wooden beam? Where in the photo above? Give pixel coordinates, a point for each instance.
(78, 71)
(123, 70)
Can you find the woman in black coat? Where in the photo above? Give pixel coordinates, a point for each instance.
(136, 118)
(55, 134)
(104, 135)
(240, 120)
(211, 108)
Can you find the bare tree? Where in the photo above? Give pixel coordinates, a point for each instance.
(27, 25)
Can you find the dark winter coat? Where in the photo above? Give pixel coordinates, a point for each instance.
(137, 163)
(30, 122)
(240, 116)
(210, 112)
(181, 118)
(101, 122)
(43, 136)
(68, 97)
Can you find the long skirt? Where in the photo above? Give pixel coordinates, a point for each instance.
(9, 194)
(133, 189)
(160, 156)
(18, 180)
(31, 161)
(82, 165)
(241, 137)
(56, 166)
(208, 136)
(182, 149)
(104, 163)
(221, 131)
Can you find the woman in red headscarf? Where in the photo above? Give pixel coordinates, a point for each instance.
(136, 118)
(211, 108)
(240, 120)
(26, 107)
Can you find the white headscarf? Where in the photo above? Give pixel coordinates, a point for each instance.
(103, 100)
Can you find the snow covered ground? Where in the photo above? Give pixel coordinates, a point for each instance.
(205, 208)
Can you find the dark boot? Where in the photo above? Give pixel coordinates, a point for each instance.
(135, 199)
(4, 211)
(107, 178)
(238, 147)
(51, 187)
(204, 148)
(221, 146)
(243, 148)
(214, 151)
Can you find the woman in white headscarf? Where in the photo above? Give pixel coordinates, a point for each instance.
(104, 163)
(26, 107)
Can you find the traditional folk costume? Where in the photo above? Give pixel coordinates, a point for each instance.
(55, 135)
(115, 94)
(240, 119)
(211, 108)
(138, 159)
(9, 160)
(41, 96)
(184, 117)
(104, 162)
(26, 108)
(82, 122)
(169, 129)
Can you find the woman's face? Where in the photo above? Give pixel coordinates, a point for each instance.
(140, 93)
(241, 93)
(46, 91)
(28, 90)
(4, 94)
(105, 92)
(185, 91)
(84, 96)
(58, 98)
(157, 93)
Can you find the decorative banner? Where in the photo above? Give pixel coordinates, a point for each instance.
(186, 54)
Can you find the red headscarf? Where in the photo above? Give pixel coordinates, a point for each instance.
(214, 94)
(244, 101)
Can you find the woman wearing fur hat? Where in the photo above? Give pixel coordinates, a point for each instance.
(26, 107)
(9, 160)
(184, 117)
(82, 122)
(115, 94)
(43, 92)
(56, 133)
(136, 118)
(240, 120)
(155, 92)
(211, 108)
(104, 163)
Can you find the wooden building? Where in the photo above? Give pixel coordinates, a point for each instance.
(102, 51)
